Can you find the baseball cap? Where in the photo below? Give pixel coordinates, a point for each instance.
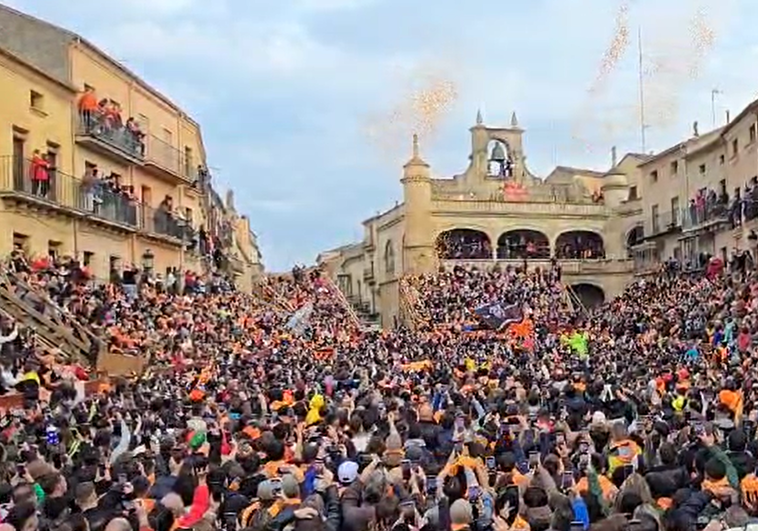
(348, 472)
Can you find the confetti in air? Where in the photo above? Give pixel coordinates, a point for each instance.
(616, 50)
(421, 110)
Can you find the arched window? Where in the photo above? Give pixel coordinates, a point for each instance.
(523, 243)
(464, 244)
(591, 296)
(579, 244)
(389, 258)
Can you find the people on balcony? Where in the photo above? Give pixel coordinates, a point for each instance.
(106, 197)
(707, 205)
(465, 246)
(39, 174)
(103, 119)
(579, 247)
(523, 247)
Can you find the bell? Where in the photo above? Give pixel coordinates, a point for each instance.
(498, 153)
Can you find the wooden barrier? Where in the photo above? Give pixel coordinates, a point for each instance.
(114, 364)
(15, 400)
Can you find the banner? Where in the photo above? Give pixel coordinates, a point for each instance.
(300, 320)
(496, 315)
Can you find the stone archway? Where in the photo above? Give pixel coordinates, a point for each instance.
(499, 159)
(577, 244)
(523, 243)
(590, 295)
(464, 244)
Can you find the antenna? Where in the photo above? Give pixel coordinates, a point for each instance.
(643, 125)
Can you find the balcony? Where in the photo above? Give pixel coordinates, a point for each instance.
(162, 224)
(167, 162)
(31, 183)
(115, 142)
(664, 223)
(705, 217)
(569, 267)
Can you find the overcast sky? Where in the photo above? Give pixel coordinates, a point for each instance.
(301, 104)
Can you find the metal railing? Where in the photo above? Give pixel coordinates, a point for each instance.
(170, 158)
(698, 215)
(98, 198)
(163, 222)
(119, 137)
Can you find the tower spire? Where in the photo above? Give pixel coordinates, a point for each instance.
(479, 119)
(514, 120)
(415, 146)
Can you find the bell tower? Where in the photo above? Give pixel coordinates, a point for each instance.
(419, 253)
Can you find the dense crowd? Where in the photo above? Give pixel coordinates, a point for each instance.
(275, 410)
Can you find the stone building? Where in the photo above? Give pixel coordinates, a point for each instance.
(497, 212)
(114, 178)
(699, 197)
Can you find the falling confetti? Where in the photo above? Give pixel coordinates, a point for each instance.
(615, 51)
(674, 54)
(421, 110)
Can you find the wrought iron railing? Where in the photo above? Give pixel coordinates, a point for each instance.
(165, 155)
(117, 136)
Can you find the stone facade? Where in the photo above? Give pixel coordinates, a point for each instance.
(43, 72)
(499, 204)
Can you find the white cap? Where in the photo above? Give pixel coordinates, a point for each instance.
(347, 472)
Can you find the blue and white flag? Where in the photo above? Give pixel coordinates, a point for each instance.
(300, 320)
(497, 315)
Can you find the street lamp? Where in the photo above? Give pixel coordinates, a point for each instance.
(148, 262)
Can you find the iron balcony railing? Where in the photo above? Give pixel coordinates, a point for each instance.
(698, 215)
(94, 197)
(163, 222)
(115, 135)
(164, 155)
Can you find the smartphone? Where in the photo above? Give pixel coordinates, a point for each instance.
(460, 423)
(21, 470)
(576, 526)
(121, 479)
(534, 460)
(567, 480)
(405, 466)
(431, 483)
(490, 461)
(560, 439)
(473, 492)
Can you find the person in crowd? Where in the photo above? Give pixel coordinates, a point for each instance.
(276, 410)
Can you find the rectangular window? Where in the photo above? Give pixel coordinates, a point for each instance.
(36, 100)
(701, 169)
(21, 242)
(633, 193)
(752, 133)
(674, 167)
(735, 147)
(53, 249)
(654, 176)
(89, 257)
(188, 214)
(655, 219)
(674, 211)
(721, 159)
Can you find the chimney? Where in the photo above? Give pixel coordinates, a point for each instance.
(613, 157)
(728, 117)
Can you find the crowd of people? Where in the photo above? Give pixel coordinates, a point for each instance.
(102, 119)
(275, 410)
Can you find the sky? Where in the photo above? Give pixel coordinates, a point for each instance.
(304, 104)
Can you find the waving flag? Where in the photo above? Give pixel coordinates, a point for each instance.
(496, 315)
